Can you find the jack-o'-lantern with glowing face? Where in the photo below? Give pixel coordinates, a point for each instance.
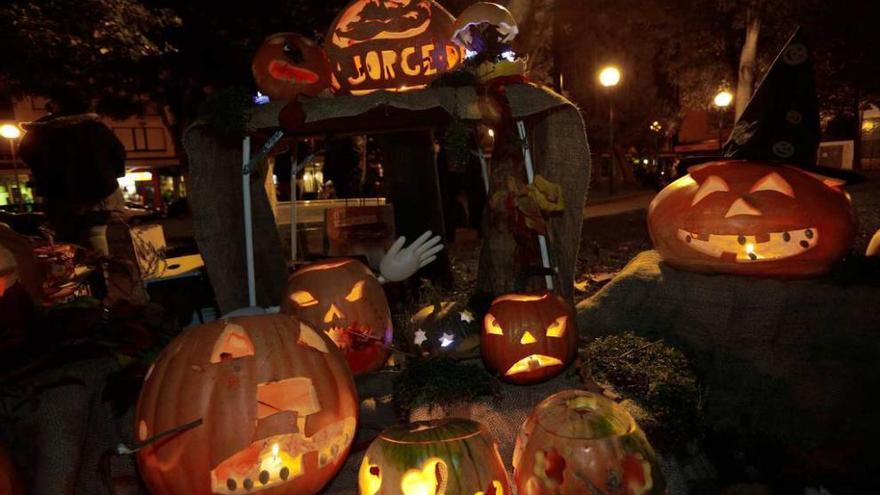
(576, 442)
(528, 338)
(392, 45)
(750, 218)
(260, 404)
(343, 298)
(450, 456)
(287, 65)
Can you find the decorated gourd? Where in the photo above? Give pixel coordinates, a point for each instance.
(528, 338)
(288, 65)
(444, 328)
(257, 404)
(392, 45)
(752, 218)
(443, 457)
(576, 442)
(343, 298)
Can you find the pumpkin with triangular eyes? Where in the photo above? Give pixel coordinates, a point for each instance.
(287, 65)
(345, 300)
(529, 338)
(751, 218)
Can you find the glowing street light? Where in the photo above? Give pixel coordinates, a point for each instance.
(13, 132)
(723, 99)
(609, 77)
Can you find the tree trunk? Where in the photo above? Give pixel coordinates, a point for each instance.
(748, 58)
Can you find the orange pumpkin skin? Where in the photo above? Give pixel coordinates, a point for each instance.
(577, 442)
(277, 403)
(528, 338)
(750, 218)
(288, 65)
(10, 483)
(343, 298)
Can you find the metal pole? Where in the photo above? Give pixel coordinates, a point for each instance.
(530, 175)
(248, 220)
(19, 197)
(294, 169)
(611, 144)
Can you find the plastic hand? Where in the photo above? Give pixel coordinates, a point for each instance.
(400, 264)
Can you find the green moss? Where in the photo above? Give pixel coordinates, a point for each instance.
(656, 378)
(441, 381)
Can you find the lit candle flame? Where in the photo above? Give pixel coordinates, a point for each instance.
(275, 450)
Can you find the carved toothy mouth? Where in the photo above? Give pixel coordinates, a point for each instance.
(351, 337)
(276, 460)
(752, 248)
(531, 363)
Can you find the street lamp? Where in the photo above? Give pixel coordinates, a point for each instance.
(609, 77)
(722, 100)
(12, 132)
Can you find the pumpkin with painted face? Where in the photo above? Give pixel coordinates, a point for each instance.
(444, 328)
(529, 338)
(443, 457)
(751, 218)
(257, 404)
(287, 65)
(576, 442)
(343, 298)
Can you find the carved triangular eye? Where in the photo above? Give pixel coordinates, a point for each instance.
(773, 182)
(713, 184)
(356, 293)
(557, 328)
(492, 326)
(233, 343)
(303, 298)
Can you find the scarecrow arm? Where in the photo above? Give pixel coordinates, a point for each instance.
(400, 264)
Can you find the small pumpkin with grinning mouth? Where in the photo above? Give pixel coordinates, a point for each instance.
(751, 218)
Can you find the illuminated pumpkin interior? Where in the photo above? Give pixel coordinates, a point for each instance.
(369, 478)
(233, 343)
(495, 488)
(303, 298)
(768, 246)
(431, 479)
(532, 362)
(310, 338)
(278, 459)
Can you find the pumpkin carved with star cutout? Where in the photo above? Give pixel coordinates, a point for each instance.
(451, 456)
(270, 402)
(576, 442)
(444, 328)
(288, 65)
(750, 218)
(529, 338)
(343, 298)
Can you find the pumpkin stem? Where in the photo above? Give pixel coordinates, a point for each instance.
(122, 449)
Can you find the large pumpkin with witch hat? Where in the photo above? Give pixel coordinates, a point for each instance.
(752, 218)
(343, 298)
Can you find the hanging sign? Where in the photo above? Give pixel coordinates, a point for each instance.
(392, 45)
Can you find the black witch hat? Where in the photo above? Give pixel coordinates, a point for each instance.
(781, 121)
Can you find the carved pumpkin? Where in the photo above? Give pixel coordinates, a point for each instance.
(577, 442)
(343, 298)
(750, 218)
(277, 403)
(287, 65)
(528, 338)
(443, 457)
(442, 328)
(10, 483)
(395, 45)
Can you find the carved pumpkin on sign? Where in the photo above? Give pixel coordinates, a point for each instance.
(528, 338)
(444, 328)
(277, 405)
(287, 65)
(577, 442)
(343, 298)
(751, 218)
(393, 45)
(443, 457)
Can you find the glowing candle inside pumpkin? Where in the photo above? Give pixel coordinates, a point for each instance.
(275, 460)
